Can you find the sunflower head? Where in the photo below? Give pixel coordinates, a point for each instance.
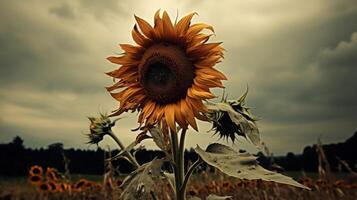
(80, 184)
(52, 174)
(44, 187)
(168, 74)
(36, 170)
(35, 179)
(99, 126)
(231, 118)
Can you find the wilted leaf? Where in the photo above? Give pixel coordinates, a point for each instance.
(143, 182)
(171, 178)
(158, 137)
(241, 165)
(215, 197)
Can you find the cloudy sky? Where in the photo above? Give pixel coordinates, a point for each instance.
(299, 59)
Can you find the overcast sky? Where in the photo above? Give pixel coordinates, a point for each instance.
(299, 59)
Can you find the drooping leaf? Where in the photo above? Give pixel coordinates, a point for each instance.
(241, 165)
(171, 178)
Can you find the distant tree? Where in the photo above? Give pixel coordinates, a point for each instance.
(55, 147)
(18, 142)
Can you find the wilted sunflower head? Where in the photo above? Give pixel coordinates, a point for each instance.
(168, 74)
(231, 118)
(99, 126)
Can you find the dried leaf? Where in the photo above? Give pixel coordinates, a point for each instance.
(241, 165)
(143, 182)
(215, 197)
(171, 178)
(158, 137)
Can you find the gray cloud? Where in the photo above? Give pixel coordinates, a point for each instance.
(297, 58)
(64, 10)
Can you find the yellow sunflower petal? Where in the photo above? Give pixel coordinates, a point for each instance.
(123, 60)
(131, 48)
(196, 28)
(121, 71)
(197, 93)
(208, 61)
(186, 110)
(148, 109)
(169, 31)
(170, 117)
(212, 72)
(199, 81)
(159, 112)
(158, 26)
(144, 26)
(202, 50)
(183, 25)
(198, 105)
(179, 117)
(138, 38)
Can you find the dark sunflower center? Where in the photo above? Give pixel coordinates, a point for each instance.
(159, 74)
(166, 73)
(36, 171)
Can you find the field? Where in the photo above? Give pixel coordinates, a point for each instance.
(201, 185)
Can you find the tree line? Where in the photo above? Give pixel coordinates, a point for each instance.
(16, 159)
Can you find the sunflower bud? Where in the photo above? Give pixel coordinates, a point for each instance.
(231, 118)
(99, 126)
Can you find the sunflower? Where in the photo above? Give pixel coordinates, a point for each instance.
(80, 184)
(52, 174)
(36, 170)
(168, 74)
(44, 187)
(35, 179)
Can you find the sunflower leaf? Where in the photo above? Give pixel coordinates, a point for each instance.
(241, 165)
(171, 178)
(143, 182)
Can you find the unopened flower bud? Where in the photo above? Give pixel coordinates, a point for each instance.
(99, 126)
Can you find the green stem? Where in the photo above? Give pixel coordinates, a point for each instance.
(181, 158)
(121, 145)
(175, 163)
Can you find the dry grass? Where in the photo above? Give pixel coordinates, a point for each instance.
(201, 185)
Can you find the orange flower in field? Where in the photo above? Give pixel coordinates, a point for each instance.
(44, 187)
(35, 179)
(36, 170)
(168, 74)
(52, 174)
